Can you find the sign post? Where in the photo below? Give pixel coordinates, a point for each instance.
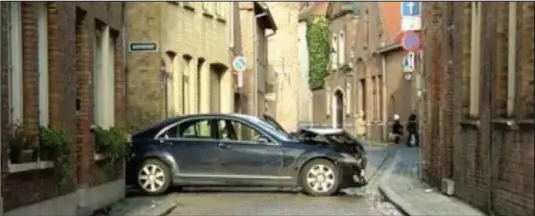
(411, 24)
(239, 64)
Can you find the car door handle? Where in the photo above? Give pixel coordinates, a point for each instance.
(223, 145)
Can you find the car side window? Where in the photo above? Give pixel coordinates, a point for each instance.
(198, 129)
(237, 131)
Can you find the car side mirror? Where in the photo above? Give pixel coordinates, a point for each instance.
(265, 141)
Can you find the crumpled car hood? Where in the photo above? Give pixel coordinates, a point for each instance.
(336, 139)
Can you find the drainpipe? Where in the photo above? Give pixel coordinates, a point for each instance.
(125, 58)
(8, 42)
(384, 89)
(255, 60)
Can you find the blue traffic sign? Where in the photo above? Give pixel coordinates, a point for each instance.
(239, 63)
(410, 8)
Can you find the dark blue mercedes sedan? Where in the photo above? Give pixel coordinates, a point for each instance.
(243, 150)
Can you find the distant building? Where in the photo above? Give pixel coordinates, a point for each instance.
(283, 58)
(307, 12)
(254, 47)
(62, 66)
(365, 85)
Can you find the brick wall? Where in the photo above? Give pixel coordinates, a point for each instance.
(70, 65)
(490, 160)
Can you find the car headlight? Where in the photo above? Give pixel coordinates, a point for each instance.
(347, 158)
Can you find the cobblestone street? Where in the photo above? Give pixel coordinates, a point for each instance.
(362, 201)
(269, 201)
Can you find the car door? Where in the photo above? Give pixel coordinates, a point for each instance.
(247, 153)
(193, 145)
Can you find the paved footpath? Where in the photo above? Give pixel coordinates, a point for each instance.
(401, 185)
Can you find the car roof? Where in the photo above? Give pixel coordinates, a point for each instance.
(325, 131)
(169, 120)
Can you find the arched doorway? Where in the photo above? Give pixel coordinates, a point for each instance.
(338, 120)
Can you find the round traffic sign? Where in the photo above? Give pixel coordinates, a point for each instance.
(411, 41)
(239, 63)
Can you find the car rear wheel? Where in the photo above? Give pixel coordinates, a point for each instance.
(320, 177)
(153, 177)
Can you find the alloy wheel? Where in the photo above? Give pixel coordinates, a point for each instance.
(320, 178)
(151, 177)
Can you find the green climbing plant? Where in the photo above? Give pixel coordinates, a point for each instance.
(318, 50)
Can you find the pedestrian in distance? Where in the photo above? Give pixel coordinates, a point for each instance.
(397, 129)
(412, 128)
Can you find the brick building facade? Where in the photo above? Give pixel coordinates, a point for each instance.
(365, 85)
(477, 116)
(190, 71)
(49, 75)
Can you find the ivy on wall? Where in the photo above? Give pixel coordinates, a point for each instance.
(318, 50)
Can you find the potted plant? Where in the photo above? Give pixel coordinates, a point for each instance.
(55, 147)
(112, 143)
(21, 148)
(54, 143)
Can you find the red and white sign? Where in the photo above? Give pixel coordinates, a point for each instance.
(411, 41)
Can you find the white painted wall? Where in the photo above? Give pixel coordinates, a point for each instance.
(305, 95)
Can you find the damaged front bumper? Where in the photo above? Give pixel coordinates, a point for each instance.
(353, 173)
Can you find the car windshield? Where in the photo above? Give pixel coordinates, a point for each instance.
(274, 131)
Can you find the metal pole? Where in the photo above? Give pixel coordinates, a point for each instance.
(420, 90)
(255, 65)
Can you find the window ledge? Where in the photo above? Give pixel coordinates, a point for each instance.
(189, 7)
(471, 123)
(512, 123)
(221, 19)
(99, 157)
(23, 167)
(206, 14)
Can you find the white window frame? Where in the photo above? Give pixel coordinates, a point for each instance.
(334, 52)
(348, 97)
(220, 10)
(511, 59)
(475, 56)
(186, 86)
(206, 7)
(110, 78)
(373, 115)
(104, 79)
(16, 77)
(341, 48)
(42, 47)
(16, 63)
(328, 97)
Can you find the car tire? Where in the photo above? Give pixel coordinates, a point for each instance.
(153, 177)
(320, 177)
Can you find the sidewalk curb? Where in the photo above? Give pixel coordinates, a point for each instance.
(375, 143)
(390, 195)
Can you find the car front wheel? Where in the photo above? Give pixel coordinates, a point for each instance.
(153, 177)
(320, 177)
